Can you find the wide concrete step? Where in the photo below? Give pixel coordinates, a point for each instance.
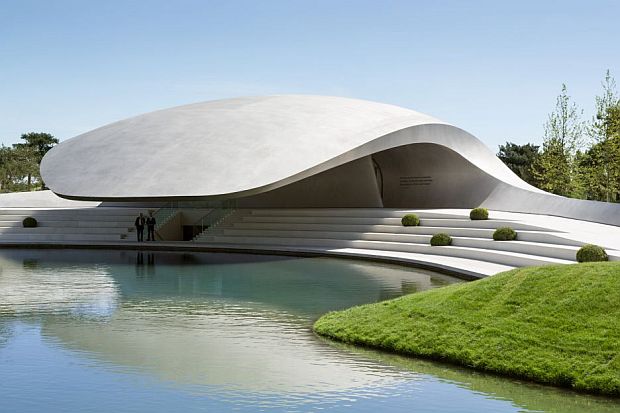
(432, 222)
(524, 235)
(71, 224)
(501, 257)
(86, 224)
(356, 213)
(525, 247)
(67, 218)
(58, 237)
(84, 212)
(97, 210)
(60, 230)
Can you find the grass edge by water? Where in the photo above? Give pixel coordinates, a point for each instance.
(556, 325)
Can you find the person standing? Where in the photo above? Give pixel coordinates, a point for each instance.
(150, 225)
(140, 227)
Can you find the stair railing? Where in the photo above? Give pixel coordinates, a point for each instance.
(163, 215)
(215, 217)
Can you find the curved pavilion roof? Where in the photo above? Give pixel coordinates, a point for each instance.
(242, 146)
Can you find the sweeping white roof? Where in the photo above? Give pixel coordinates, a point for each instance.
(240, 146)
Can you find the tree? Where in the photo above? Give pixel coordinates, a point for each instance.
(5, 169)
(40, 141)
(19, 168)
(37, 144)
(612, 148)
(520, 159)
(604, 165)
(19, 164)
(554, 168)
(588, 173)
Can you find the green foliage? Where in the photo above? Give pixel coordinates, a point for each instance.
(555, 324)
(520, 159)
(599, 166)
(563, 168)
(591, 253)
(41, 142)
(441, 239)
(19, 164)
(29, 222)
(410, 220)
(478, 214)
(19, 168)
(504, 234)
(564, 130)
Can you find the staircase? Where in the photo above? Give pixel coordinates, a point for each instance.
(67, 224)
(378, 233)
(211, 221)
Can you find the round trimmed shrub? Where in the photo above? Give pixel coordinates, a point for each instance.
(504, 234)
(410, 220)
(478, 214)
(29, 222)
(441, 239)
(591, 253)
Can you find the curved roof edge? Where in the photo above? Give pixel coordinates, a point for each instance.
(241, 146)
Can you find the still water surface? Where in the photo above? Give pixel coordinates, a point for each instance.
(95, 331)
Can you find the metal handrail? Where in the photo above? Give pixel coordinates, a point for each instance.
(214, 217)
(163, 215)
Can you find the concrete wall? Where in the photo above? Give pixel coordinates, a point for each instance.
(350, 185)
(171, 230)
(411, 176)
(427, 175)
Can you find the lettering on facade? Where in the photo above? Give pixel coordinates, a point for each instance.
(410, 181)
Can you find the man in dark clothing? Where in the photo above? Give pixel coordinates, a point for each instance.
(140, 227)
(150, 225)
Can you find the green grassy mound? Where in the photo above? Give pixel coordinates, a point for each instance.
(558, 325)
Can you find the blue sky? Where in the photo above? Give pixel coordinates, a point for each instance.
(493, 68)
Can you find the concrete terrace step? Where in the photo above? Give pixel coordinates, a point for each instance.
(67, 212)
(58, 230)
(432, 222)
(86, 224)
(70, 224)
(59, 237)
(525, 247)
(66, 217)
(524, 235)
(355, 212)
(480, 254)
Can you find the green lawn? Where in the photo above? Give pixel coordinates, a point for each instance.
(555, 324)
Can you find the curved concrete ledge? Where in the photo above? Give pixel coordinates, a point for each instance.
(374, 234)
(459, 267)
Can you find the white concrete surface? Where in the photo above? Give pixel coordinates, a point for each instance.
(356, 232)
(60, 220)
(541, 240)
(246, 147)
(41, 199)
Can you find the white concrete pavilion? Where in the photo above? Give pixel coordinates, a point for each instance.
(310, 174)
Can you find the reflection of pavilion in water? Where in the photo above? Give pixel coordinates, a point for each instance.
(71, 280)
(192, 322)
(209, 319)
(30, 287)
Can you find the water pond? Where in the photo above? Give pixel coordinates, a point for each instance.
(104, 331)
